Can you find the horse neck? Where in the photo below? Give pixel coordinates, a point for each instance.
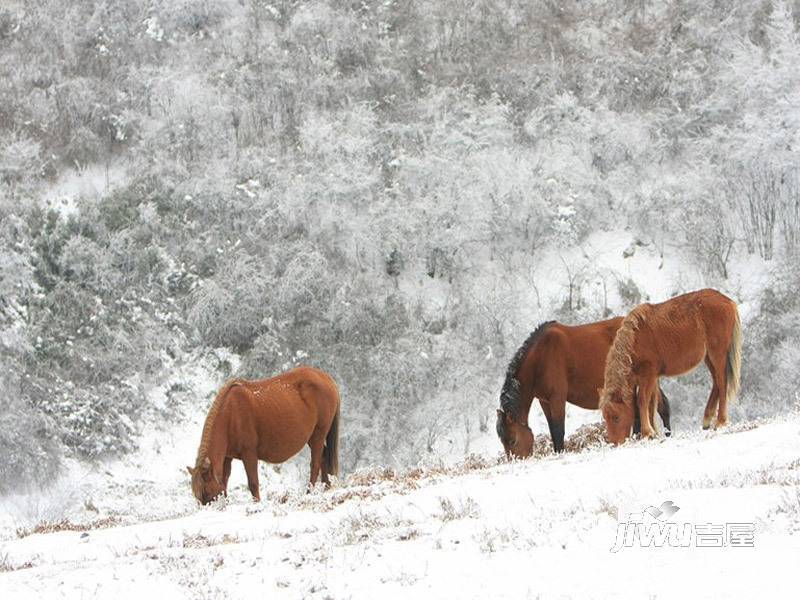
(619, 363)
(214, 440)
(526, 375)
(218, 444)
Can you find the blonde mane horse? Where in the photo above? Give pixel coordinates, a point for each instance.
(665, 340)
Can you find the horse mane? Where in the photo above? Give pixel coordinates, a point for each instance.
(509, 394)
(619, 361)
(205, 440)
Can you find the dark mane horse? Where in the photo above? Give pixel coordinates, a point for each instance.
(668, 339)
(556, 364)
(270, 420)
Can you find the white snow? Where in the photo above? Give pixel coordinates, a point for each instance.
(537, 528)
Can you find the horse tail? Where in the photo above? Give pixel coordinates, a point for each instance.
(734, 363)
(332, 444)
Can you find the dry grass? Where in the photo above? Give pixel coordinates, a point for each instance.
(786, 475)
(607, 507)
(371, 476)
(198, 540)
(462, 508)
(364, 525)
(742, 426)
(67, 525)
(6, 566)
(376, 482)
(586, 437)
(542, 446)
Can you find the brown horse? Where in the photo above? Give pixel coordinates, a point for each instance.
(557, 364)
(271, 420)
(670, 339)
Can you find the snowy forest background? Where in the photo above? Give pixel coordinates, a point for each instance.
(394, 191)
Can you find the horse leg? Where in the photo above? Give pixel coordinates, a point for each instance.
(664, 411)
(226, 473)
(558, 408)
(713, 398)
(250, 460)
(654, 402)
(719, 361)
(545, 404)
(637, 423)
(325, 475)
(644, 398)
(556, 438)
(315, 443)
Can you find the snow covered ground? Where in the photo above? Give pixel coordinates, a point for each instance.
(544, 527)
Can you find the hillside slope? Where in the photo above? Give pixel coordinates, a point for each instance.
(538, 528)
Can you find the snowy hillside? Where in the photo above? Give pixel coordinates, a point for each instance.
(538, 528)
(398, 193)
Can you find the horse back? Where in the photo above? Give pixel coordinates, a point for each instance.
(279, 415)
(575, 357)
(316, 388)
(679, 332)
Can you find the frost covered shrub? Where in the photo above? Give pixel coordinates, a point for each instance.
(94, 422)
(30, 450)
(100, 328)
(629, 292)
(269, 356)
(230, 308)
(19, 157)
(120, 210)
(83, 146)
(770, 375)
(28, 444)
(709, 235)
(83, 373)
(196, 17)
(305, 291)
(353, 323)
(85, 260)
(394, 400)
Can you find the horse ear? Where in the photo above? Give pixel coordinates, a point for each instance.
(191, 470)
(500, 412)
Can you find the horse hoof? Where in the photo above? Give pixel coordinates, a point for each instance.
(706, 427)
(667, 433)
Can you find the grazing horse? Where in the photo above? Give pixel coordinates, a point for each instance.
(556, 364)
(271, 420)
(670, 339)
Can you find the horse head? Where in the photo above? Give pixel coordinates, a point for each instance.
(617, 414)
(515, 435)
(206, 484)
